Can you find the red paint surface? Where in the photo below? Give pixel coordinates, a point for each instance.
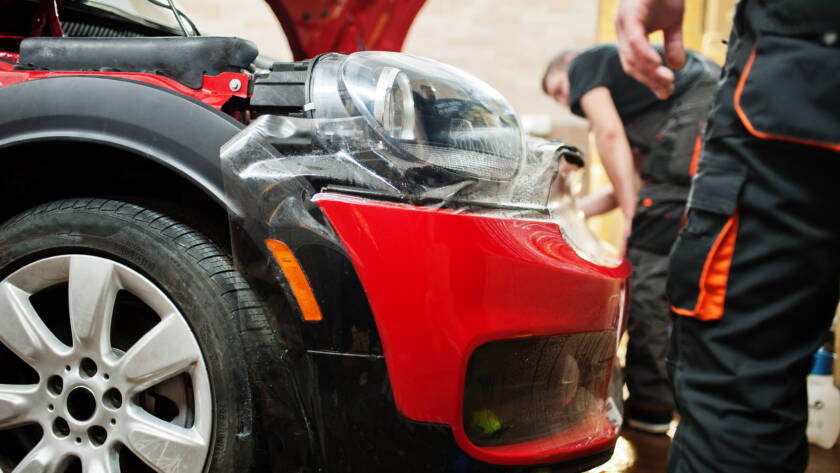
(8, 56)
(215, 90)
(319, 26)
(442, 283)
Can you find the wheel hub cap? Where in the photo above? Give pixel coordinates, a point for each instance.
(80, 404)
(95, 402)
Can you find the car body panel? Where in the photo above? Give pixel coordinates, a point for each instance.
(130, 112)
(314, 27)
(441, 283)
(215, 91)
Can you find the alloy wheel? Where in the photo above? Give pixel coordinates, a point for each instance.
(123, 388)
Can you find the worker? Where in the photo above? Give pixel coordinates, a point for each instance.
(755, 272)
(648, 142)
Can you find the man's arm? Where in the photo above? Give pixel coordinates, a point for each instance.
(634, 20)
(613, 148)
(599, 202)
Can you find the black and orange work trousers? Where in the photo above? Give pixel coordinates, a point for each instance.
(754, 276)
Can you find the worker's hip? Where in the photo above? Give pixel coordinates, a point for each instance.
(780, 87)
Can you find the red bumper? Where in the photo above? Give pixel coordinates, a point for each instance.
(442, 283)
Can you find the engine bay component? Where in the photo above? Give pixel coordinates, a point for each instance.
(186, 60)
(282, 90)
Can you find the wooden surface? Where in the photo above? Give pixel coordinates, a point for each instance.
(638, 452)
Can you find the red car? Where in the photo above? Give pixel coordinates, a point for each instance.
(211, 261)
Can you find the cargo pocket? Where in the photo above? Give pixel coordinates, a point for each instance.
(686, 139)
(698, 271)
(656, 162)
(788, 92)
(656, 224)
(670, 156)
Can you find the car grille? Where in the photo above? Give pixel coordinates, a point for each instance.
(527, 389)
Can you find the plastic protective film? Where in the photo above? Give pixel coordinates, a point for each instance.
(274, 168)
(404, 128)
(388, 128)
(276, 153)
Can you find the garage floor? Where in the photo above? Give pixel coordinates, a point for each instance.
(638, 452)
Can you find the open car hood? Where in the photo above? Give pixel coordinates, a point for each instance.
(313, 27)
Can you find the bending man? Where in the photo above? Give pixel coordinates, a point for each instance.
(648, 142)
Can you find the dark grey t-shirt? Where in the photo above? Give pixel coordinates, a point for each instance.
(600, 65)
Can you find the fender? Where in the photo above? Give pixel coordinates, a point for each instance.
(169, 128)
(180, 133)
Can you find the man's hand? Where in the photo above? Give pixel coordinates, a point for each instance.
(634, 20)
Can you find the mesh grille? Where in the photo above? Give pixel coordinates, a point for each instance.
(521, 390)
(86, 30)
(468, 162)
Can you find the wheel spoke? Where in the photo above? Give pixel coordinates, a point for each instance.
(100, 464)
(42, 459)
(165, 447)
(22, 331)
(93, 288)
(165, 351)
(17, 403)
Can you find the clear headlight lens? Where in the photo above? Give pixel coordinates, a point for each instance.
(435, 113)
(393, 106)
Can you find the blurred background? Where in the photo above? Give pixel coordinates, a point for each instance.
(501, 42)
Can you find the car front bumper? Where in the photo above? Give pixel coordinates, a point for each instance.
(454, 293)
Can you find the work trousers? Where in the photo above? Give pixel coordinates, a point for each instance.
(649, 326)
(667, 169)
(754, 275)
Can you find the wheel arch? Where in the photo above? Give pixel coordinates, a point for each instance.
(107, 137)
(89, 136)
(37, 172)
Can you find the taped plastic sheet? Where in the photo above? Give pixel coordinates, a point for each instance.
(351, 145)
(274, 168)
(275, 165)
(347, 151)
(403, 128)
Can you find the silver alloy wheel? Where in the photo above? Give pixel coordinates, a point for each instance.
(89, 399)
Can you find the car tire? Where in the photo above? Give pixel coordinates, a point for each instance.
(120, 344)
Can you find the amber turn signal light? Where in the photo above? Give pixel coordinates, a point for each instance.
(297, 280)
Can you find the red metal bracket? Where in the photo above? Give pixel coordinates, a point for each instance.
(47, 16)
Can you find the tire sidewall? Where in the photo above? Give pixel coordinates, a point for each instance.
(156, 247)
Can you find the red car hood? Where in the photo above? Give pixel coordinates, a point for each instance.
(319, 26)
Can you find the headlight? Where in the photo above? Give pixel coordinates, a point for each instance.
(398, 127)
(393, 106)
(432, 112)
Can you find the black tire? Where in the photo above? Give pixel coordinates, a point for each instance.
(194, 273)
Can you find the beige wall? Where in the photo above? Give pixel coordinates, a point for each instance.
(249, 19)
(718, 22)
(506, 44)
(693, 22)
